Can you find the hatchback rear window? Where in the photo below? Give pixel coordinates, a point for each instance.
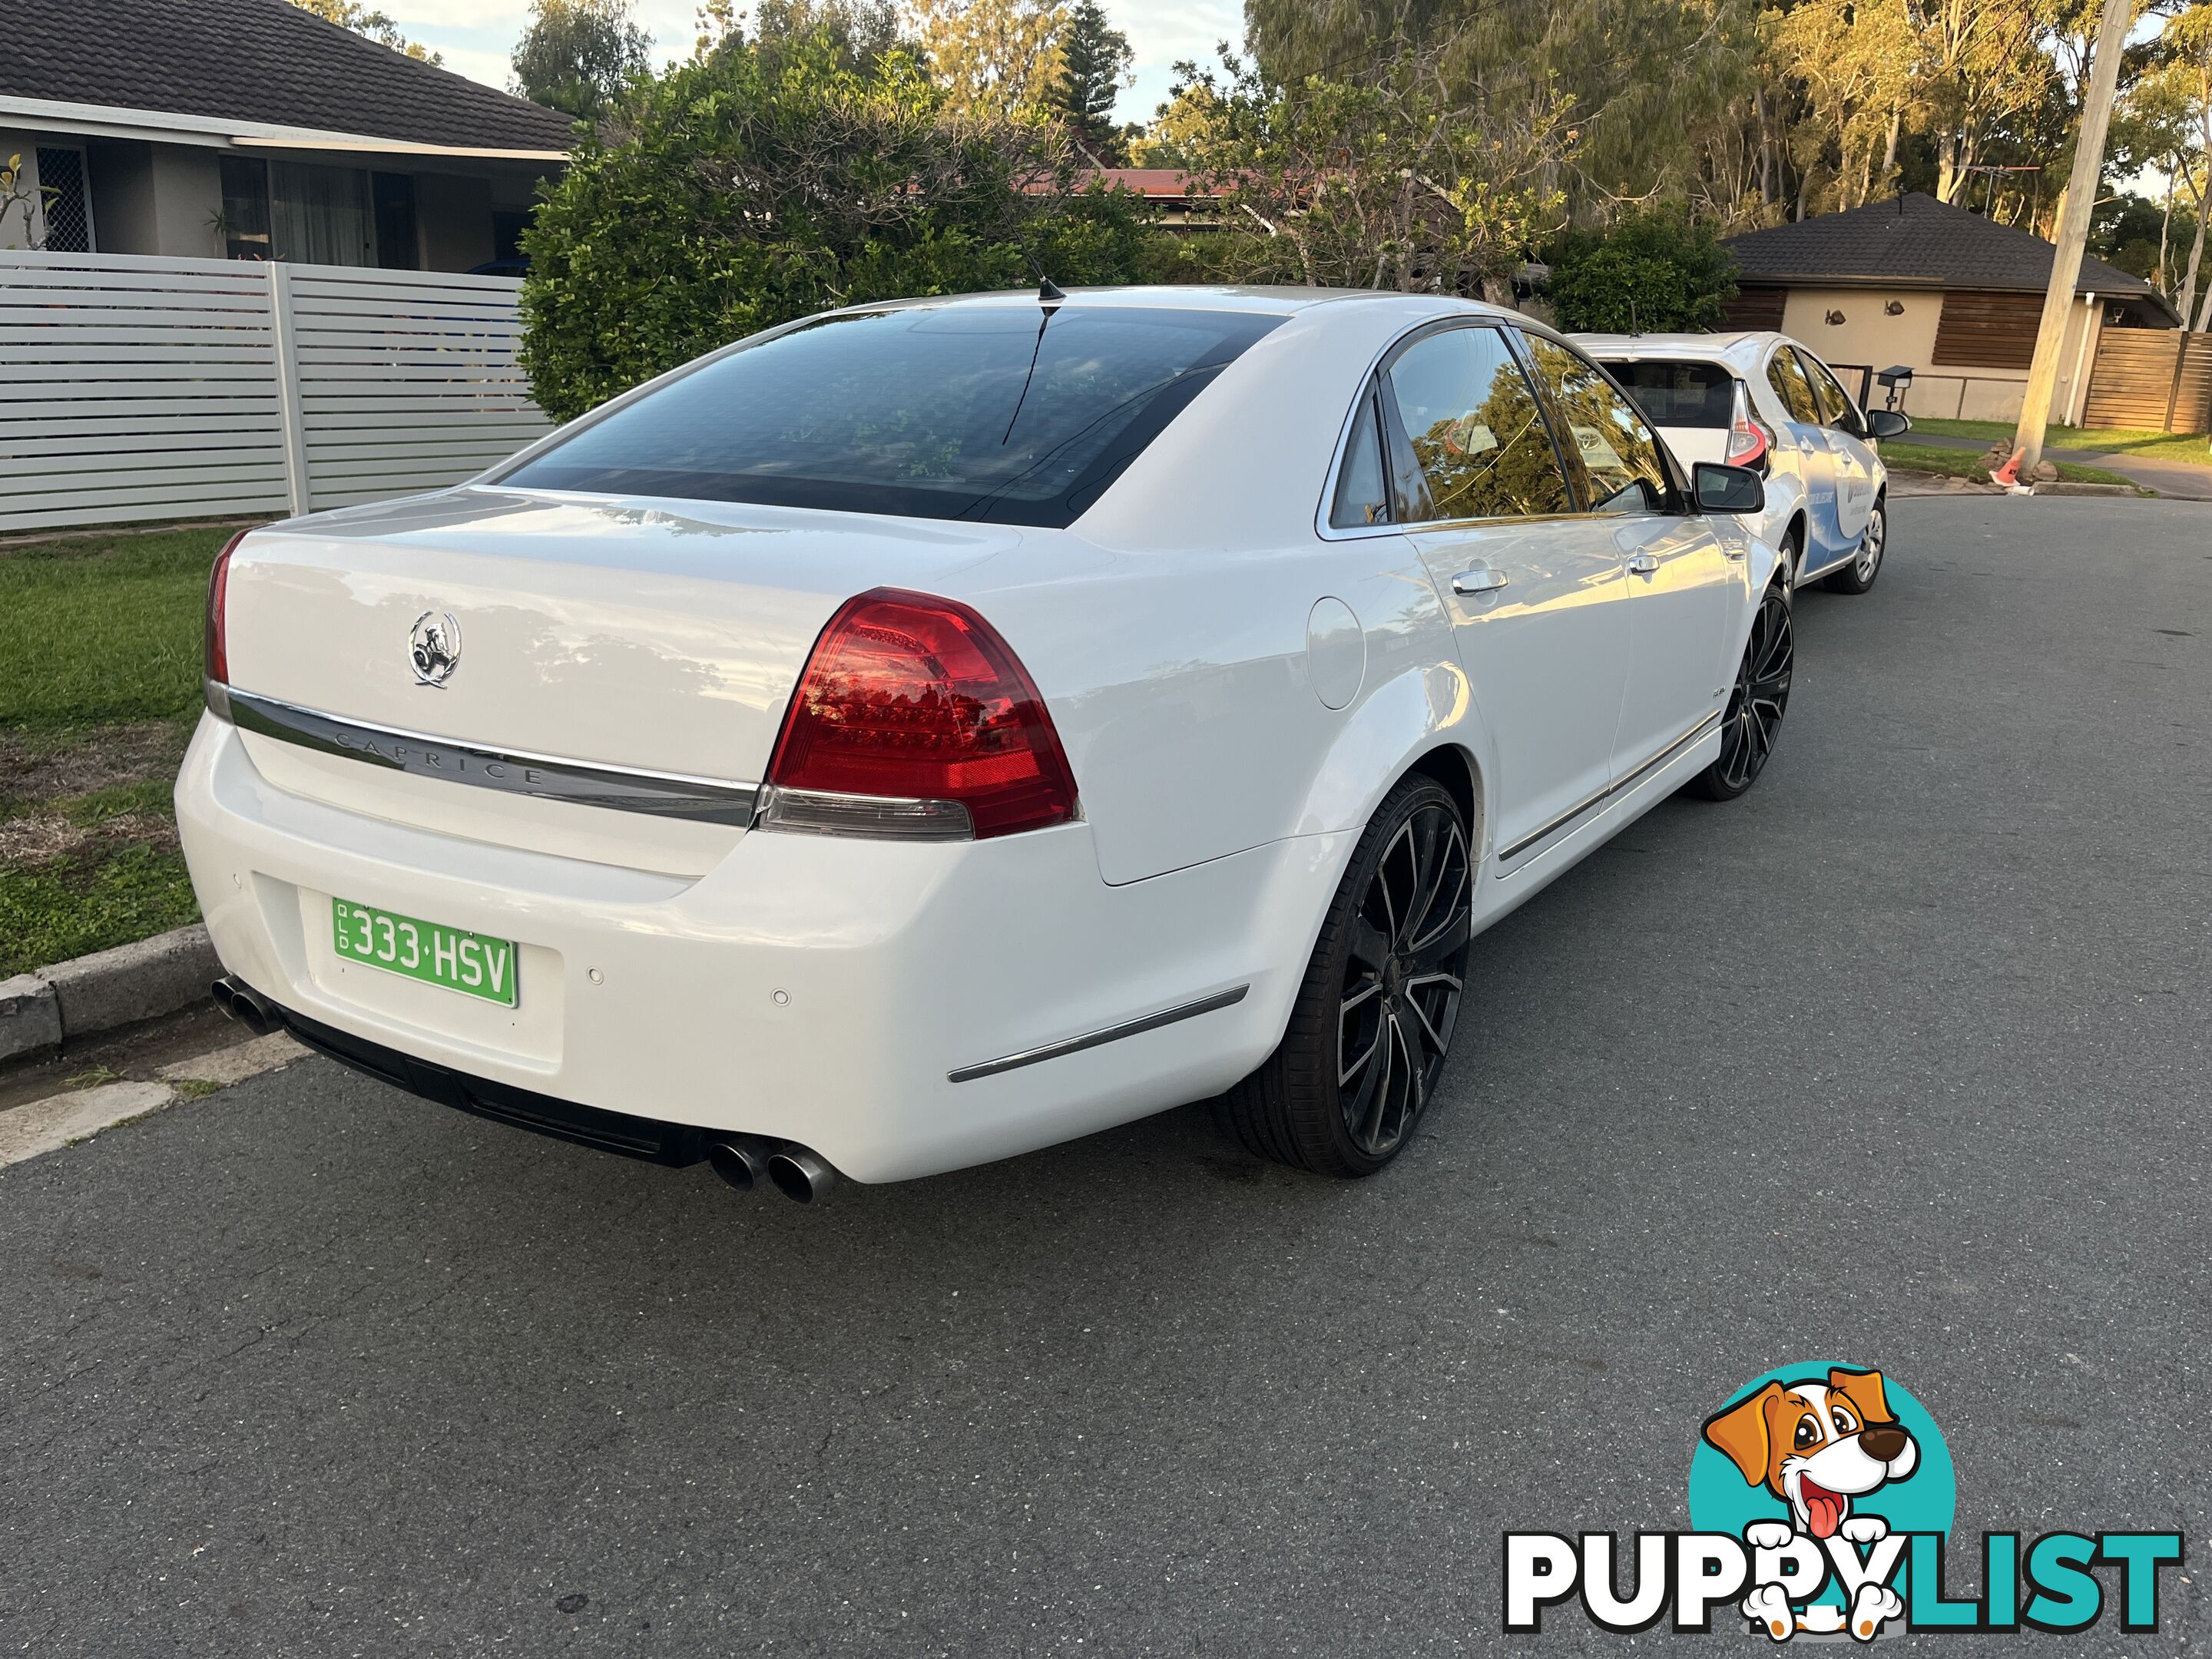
(1680, 393)
(993, 412)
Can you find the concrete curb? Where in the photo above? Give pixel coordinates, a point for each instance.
(2062, 487)
(106, 989)
(47, 1126)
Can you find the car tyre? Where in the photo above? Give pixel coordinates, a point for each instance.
(1352, 1080)
(1756, 703)
(1858, 575)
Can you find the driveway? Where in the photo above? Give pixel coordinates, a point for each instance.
(1900, 1060)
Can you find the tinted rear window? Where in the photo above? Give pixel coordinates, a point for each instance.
(953, 412)
(1679, 394)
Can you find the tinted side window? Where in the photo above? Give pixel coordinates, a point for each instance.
(1363, 496)
(1835, 407)
(1615, 449)
(1475, 428)
(1790, 385)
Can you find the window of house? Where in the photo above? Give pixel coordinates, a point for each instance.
(67, 201)
(393, 197)
(507, 228)
(321, 216)
(245, 207)
(317, 214)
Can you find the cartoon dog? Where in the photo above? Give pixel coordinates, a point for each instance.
(1816, 1445)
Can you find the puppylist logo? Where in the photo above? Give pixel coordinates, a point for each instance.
(1821, 1497)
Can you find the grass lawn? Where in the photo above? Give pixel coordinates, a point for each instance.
(1907, 456)
(2190, 449)
(100, 686)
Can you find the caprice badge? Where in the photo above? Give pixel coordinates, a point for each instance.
(434, 648)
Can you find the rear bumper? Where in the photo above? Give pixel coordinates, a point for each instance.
(808, 988)
(655, 1142)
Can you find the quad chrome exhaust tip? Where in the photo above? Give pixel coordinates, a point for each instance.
(801, 1175)
(741, 1160)
(247, 1006)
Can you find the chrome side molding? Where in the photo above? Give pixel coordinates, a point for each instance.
(1618, 785)
(514, 772)
(1127, 1028)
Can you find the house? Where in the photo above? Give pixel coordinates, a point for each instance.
(252, 129)
(1953, 296)
(1183, 202)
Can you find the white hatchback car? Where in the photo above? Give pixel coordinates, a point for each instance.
(1765, 401)
(928, 732)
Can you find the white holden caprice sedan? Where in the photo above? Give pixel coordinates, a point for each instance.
(928, 732)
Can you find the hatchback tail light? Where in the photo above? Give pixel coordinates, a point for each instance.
(1748, 439)
(216, 660)
(913, 719)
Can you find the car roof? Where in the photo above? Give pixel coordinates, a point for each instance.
(1741, 347)
(1280, 301)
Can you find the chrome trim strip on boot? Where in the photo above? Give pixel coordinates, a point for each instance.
(514, 772)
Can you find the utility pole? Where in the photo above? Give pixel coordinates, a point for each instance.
(2073, 232)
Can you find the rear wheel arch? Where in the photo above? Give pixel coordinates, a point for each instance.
(1453, 767)
(1447, 761)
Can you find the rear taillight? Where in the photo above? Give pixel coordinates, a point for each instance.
(913, 719)
(1748, 439)
(216, 660)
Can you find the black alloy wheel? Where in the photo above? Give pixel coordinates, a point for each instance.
(1373, 1022)
(1858, 575)
(1756, 705)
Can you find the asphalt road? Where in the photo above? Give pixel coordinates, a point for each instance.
(1902, 1059)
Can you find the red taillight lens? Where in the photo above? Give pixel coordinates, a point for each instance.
(1747, 444)
(1748, 439)
(217, 657)
(917, 698)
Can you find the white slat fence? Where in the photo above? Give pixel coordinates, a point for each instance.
(135, 388)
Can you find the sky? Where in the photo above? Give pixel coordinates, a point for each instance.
(476, 36)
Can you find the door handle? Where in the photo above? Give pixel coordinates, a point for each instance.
(1643, 564)
(1481, 580)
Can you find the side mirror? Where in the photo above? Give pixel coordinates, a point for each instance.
(1887, 423)
(1727, 489)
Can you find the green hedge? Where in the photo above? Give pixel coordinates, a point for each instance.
(757, 186)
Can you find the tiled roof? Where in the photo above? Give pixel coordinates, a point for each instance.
(254, 60)
(1915, 239)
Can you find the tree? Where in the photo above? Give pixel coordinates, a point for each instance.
(1653, 272)
(17, 192)
(376, 25)
(1191, 116)
(576, 55)
(858, 31)
(995, 59)
(1640, 77)
(1095, 59)
(753, 186)
(2176, 95)
(1394, 179)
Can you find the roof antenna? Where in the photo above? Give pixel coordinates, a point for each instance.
(1050, 300)
(1635, 328)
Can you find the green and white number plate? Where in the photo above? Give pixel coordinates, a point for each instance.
(471, 963)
